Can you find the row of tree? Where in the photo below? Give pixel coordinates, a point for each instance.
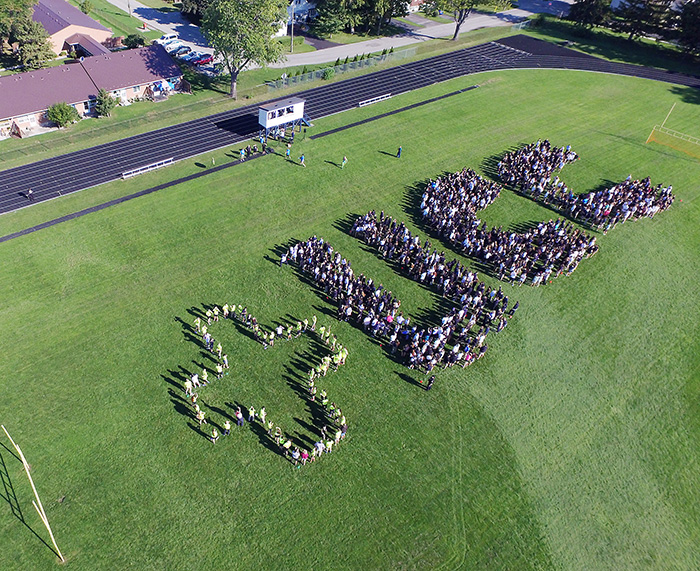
(17, 27)
(663, 19)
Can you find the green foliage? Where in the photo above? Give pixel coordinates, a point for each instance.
(62, 114)
(105, 103)
(331, 19)
(13, 12)
(242, 33)
(346, 59)
(328, 73)
(589, 13)
(458, 9)
(34, 47)
(642, 17)
(195, 8)
(689, 26)
(337, 62)
(134, 41)
(86, 7)
(305, 70)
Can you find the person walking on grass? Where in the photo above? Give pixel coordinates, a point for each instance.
(262, 414)
(227, 427)
(345, 161)
(398, 153)
(251, 414)
(188, 388)
(302, 161)
(214, 435)
(239, 417)
(200, 417)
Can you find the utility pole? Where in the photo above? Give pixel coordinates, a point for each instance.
(291, 44)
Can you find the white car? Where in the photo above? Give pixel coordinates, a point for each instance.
(174, 46)
(166, 38)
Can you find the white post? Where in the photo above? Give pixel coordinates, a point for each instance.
(669, 114)
(39, 508)
(291, 44)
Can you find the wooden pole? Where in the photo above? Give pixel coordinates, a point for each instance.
(37, 504)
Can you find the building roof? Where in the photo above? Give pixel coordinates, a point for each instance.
(127, 68)
(56, 15)
(94, 47)
(281, 104)
(34, 91)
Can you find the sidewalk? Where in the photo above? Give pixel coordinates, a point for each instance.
(191, 35)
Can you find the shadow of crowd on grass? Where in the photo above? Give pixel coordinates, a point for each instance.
(322, 355)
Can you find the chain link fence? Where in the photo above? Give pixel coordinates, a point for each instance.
(349, 65)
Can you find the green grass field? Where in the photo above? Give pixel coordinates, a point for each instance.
(573, 444)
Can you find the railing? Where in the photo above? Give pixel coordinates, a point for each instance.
(147, 168)
(374, 100)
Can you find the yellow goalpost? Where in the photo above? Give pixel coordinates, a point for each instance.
(675, 139)
(37, 503)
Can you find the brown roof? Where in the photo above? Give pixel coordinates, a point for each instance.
(88, 44)
(34, 91)
(131, 67)
(56, 15)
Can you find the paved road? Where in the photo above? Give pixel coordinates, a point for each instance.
(61, 175)
(173, 22)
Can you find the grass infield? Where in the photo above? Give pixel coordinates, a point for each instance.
(573, 444)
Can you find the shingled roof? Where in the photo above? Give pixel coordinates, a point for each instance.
(34, 91)
(118, 70)
(56, 15)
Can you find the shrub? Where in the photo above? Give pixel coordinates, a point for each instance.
(62, 114)
(134, 41)
(328, 73)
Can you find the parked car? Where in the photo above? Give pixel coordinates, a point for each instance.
(173, 47)
(182, 51)
(192, 56)
(165, 38)
(205, 59)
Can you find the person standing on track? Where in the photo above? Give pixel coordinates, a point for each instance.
(30, 195)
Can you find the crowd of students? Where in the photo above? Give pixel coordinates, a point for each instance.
(335, 428)
(449, 206)
(530, 170)
(377, 311)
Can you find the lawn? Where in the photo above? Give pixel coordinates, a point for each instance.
(117, 20)
(572, 444)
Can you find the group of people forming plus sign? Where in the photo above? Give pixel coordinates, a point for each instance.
(335, 428)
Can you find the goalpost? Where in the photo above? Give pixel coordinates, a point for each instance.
(675, 139)
(37, 503)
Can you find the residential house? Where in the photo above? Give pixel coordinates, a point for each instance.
(147, 72)
(69, 29)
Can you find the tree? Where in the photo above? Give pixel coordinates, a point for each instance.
(460, 10)
(589, 13)
(86, 7)
(642, 17)
(105, 103)
(11, 12)
(330, 20)
(34, 47)
(242, 32)
(195, 8)
(689, 26)
(62, 114)
(134, 41)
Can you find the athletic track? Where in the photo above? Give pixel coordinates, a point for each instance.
(75, 171)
